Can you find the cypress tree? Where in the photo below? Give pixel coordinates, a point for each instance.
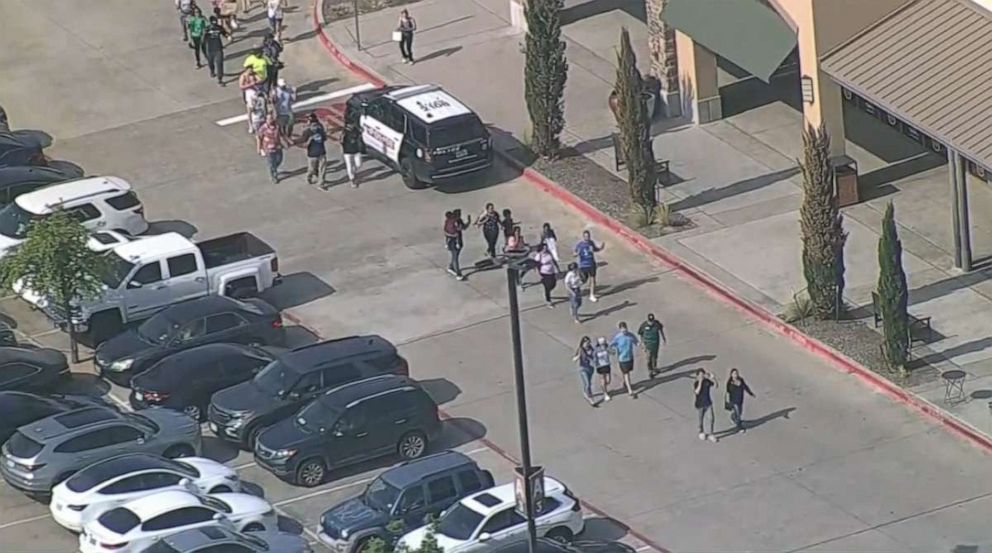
(821, 225)
(893, 294)
(545, 73)
(635, 128)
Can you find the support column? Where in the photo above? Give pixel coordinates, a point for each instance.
(697, 80)
(664, 64)
(960, 215)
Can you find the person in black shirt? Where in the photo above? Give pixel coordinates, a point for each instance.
(351, 147)
(316, 137)
(272, 49)
(736, 388)
(703, 402)
(213, 45)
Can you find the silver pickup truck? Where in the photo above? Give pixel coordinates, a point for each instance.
(150, 274)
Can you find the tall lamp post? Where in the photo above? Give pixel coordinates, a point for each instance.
(358, 32)
(525, 473)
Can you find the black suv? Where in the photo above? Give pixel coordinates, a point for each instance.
(422, 131)
(352, 423)
(294, 379)
(408, 492)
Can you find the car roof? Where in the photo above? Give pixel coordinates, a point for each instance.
(150, 506)
(201, 307)
(410, 472)
(17, 174)
(496, 498)
(70, 421)
(39, 355)
(343, 396)
(209, 352)
(309, 357)
(548, 545)
(429, 103)
(123, 464)
(42, 201)
(161, 244)
(9, 399)
(188, 539)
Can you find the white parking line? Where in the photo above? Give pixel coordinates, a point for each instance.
(123, 404)
(244, 466)
(24, 521)
(303, 103)
(643, 548)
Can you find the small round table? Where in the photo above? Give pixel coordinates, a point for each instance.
(953, 385)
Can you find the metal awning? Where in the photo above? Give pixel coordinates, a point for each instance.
(746, 32)
(927, 63)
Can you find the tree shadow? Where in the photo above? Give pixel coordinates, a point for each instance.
(949, 354)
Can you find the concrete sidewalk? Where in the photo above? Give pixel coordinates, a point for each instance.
(739, 181)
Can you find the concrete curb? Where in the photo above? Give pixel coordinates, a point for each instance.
(879, 383)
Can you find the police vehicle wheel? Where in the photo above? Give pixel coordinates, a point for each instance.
(410, 176)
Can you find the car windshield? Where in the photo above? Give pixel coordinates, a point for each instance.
(315, 417)
(275, 377)
(115, 270)
(461, 129)
(215, 504)
(158, 329)
(459, 523)
(142, 421)
(23, 447)
(119, 520)
(14, 221)
(381, 495)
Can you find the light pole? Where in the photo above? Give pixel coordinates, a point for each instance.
(512, 277)
(358, 32)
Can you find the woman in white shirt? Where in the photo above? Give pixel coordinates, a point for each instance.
(274, 9)
(548, 270)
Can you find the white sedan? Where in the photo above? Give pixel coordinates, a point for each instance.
(112, 482)
(489, 519)
(137, 524)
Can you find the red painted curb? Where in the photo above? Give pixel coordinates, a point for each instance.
(708, 284)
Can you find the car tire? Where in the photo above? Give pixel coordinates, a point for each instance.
(104, 326)
(221, 489)
(361, 543)
(412, 445)
(560, 535)
(253, 527)
(179, 450)
(311, 473)
(410, 175)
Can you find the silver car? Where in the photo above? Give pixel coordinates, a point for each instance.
(45, 452)
(218, 538)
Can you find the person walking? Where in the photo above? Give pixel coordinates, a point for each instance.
(258, 111)
(652, 334)
(407, 26)
(213, 45)
(623, 344)
(573, 282)
(550, 239)
(248, 83)
(270, 142)
(315, 137)
(508, 226)
(453, 228)
(197, 25)
(283, 97)
(601, 356)
(701, 387)
(271, 51)
(351, 148)
(258, 65)
(585, 355)
(490, 223)
(274, 10)
(548, 270)
(586, 250)
(185, 9)
(736, 388)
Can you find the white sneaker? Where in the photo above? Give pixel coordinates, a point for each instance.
(606, 397)
(711, 438)
(592, 297)
(702, 436)
(452, 272)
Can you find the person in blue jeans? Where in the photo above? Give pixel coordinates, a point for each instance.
(585, 355)
(586, 250)
(623, 344)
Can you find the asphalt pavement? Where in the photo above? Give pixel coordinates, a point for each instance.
(827, 465)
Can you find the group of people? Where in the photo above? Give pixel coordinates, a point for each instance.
(206, 37)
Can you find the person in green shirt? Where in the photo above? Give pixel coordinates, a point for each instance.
(196, 24)
(652, 334)
(258, 64)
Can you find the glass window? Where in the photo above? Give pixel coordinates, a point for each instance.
(84, 212)
(148, 274)
(442, 489)
(412, 500)
(126, 200)
(14, 221)
(223, 321)
(459, 522)
(418, 131)
(119, 520)
(275, 377)
(180, 517)
(308, 383)
(142, 482)
(376, 111)
(191, 331)
(12, 372)
(116, 268)
(182, 265)
(549, 504)
(470, 481)
(23, 447)
(507, 518)
(384, 364)
(340, 374)
(395, 119)
(381, 495)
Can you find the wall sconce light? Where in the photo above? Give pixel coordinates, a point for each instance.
(807, 86)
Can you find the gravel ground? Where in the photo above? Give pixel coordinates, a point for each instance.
(340, 9)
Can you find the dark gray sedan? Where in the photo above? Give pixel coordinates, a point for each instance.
(218, 539)
(45, 452)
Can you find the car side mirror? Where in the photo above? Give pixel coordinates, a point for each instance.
(140, 441)
(185, 482)
(338, 434)
(218, 517)
(134, 284)
(485, 536)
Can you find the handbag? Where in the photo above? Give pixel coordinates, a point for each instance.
(397, 36)
(727, 406)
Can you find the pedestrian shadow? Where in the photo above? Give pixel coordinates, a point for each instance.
(313, 86)
(607, 311)
(647, 384)
(780, 414)
(444, 52)
(625, 286)
(687, 361)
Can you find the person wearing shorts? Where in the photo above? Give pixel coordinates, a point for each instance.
(585, 251)
(601, 358)
(623, 345)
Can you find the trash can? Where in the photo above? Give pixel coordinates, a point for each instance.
(846, 181)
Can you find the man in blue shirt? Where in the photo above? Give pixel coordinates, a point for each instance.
(623, 344)
(586, 250)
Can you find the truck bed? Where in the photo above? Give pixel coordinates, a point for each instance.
(232, 249)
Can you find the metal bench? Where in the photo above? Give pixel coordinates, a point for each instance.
(915, 323)
(661, 166)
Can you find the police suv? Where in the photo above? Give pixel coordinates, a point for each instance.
(422, 131)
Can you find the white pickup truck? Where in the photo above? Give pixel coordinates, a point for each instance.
(150, 274)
